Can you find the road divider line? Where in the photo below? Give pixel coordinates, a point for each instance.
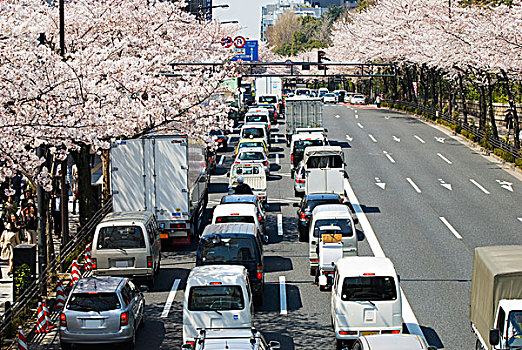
(277, 158)
(372, 138)
(170, 298)
(479, 186)
(389, 156)
(356, 116)
(408, 317)
(418, 138)
(414, 185)
(279, 224)
(360, 125)
(444, 158)
(221, 159)
(282, 296)
(451, 228)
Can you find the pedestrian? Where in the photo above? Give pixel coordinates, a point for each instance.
(10, 207)
(16, 226)
(56, 212)
(31, 225)
(8, 241)
(378, 101)
(74, 175)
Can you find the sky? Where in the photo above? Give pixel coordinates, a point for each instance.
(247, 12)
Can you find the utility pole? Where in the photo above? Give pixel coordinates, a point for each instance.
(42, 239)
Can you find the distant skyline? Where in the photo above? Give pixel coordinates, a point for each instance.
(247, 12)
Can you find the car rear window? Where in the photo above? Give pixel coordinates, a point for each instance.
(215, 297)
(94, 301)
(310, 206)
(333, 161)
(370, 288)
(251, 156)
(256, 118)
(344, 224)
(302, 144)
(268, 99)
(250, 144)
(222, 249)
(235, 218)
(252, 170)
(121, 237)
(254, 132)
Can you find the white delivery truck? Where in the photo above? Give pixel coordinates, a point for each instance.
(324, 169)
(496, 297)
(302, 112)
(269, 86)
(165, 174)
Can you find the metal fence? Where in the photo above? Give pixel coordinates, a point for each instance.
(479, 133)
(33, 292)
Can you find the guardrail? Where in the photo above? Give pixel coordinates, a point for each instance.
(33, 292)
(479, 133)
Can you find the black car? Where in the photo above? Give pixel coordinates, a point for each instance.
(249, 199)
(306, 207)
(297, 152)
(234, 244)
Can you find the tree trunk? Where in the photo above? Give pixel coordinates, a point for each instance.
(106, 175)
(490, 108)
(433, 94)
(513, 107)
(441, 96)
(424, 86)
(86, 200)
(482, 107)
(463, 99)
(450, 99)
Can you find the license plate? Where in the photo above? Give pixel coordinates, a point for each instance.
(123, 263)
(93, 323)
(369, 333)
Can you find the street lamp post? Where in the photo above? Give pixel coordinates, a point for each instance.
(229, 22)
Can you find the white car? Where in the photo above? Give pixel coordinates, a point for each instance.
(329, 98)
(391, 342)
(299, 180)
(253, 155)
(358, 100)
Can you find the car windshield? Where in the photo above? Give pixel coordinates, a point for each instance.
(302, 144)
(358, 96)
(223, 249)
(332, 161)
(235, 218)
(121, 237)
(371, 288)
(344, 224)
(216, 297)
(256, 118)
(93, 301)
(250, 170)
(268, 99)
(254, 132)
(303, 92)
(251, 156)
(238, 199)
(267, 106)
(514, 332)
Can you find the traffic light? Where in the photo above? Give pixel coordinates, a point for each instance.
(321, 56)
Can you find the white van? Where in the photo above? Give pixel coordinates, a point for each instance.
(238, 212)
(127, 244)
(255, 131)
(331, 215)
(258, 115)
(366, 298)
(216, 296)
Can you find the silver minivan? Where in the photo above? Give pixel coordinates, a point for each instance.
(127, 244)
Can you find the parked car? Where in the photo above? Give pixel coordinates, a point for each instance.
(358, 100)
(101, 310)
(329, 98)
(253, 155)
(308, 204)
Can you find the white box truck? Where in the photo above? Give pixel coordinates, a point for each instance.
(324, 170)
(496, 297)
(272, 86)
(302, 112)
(165, 174)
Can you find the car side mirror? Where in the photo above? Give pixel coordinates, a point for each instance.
(355, 221)
(144, 289)
(494, 337)
(274, 345)
(296, 205)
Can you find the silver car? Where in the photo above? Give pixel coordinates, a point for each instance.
(102, 310)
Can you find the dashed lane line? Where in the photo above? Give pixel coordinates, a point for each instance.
(170, 298)
(418, 138)
(479, 186)
(389, 156)
(414, 185)
(451, 228)
(444, 159)
(279, 224)
(372, 138)
(221, 160)
(282, 296)
(360, 125)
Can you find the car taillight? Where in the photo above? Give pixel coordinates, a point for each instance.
(63, 320)
(303, 215)
(124, 318)
(260, 218)
(236, 162)
(265, 162)
(314, 260)
(260, 272)
(178, 225)
(191, 343)
(149, 262)
(393, 331)
(302, 181)
(94, 263)
(292, 159)
(347, 332)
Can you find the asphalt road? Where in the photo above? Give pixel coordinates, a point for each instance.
(429, 200)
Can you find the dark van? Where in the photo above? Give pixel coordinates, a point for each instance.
(234, 244)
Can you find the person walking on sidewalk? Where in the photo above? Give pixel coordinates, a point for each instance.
(31, 225)
(8, 241)
(378, 101)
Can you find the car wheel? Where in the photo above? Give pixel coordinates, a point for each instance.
(142, 321)
(303, 236)
(66, 346)
(225, 146)
(292, 173)
(312, 270)
(339, 344)
(478, 345)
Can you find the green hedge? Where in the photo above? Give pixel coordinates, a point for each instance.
(506, 156)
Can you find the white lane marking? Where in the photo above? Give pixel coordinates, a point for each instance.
(440, 139)
(360, 125)
(282, 295)
(414, 185)
(221, 160)
(276, 139)
(445, 185)
(388, 156)
(283, 200)
(387, 117)
(451, 228)
(407, 312)
(356, 116)
(349, 138)
(170, 298)
(395, 138)
(379, 183)
(479, 186)
(418, 138)
(444, 158)
(506, 185)
(372, 138)
(338, 116)
(279, 224)
(277, 158)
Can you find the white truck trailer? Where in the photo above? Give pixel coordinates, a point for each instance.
(496, 297)
(324, 170)
(272, 86)
(165, 174)
(302, 112)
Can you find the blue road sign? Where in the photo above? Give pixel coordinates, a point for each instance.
(249, 52)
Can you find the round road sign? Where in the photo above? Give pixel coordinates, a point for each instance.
(227, 42)
(289, 62)
(239, 42)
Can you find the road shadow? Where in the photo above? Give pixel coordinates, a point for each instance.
(360, 235)
(432, 337)
(342, 144)
(275, 207)
(220, 170)
(167, 276)
(277, 264)
(218, 187)
(370, 210)
(274, 177)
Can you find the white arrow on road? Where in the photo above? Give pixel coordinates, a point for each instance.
(395, 138)
(349, 138)
(440, 139)
(338, 116)
(379, 183)
(506, 185)
(387, 117)
(445, 185)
